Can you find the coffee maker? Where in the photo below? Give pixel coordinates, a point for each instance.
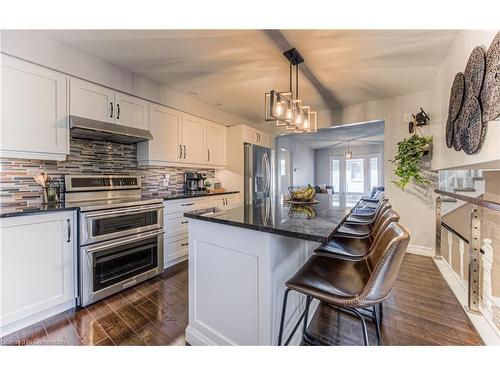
(194, 181)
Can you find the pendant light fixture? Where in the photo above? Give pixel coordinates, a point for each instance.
(285, 108)
(348, 153)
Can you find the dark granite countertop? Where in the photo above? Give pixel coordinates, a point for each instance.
(11, 211)
(273, 217)
(192, 195)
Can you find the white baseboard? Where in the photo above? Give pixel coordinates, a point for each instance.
(420, 250)
(483, 327)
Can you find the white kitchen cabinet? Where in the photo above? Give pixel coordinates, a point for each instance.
(225, 201)
(131, 111)
(100, 103)
(215, 136)
(176, 228)
(253, 136)
(34, 111)
(91, 101)
(165, 126)
(38, 268)
(193, 139)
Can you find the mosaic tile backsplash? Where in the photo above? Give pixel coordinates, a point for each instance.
(18, 188)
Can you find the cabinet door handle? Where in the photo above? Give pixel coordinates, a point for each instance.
(208, 154)
(118, 111)
(187, 204)
(184, 151)
(185, 244)
(184, 222)
(180, 152)
(111, 111)
(68, 223)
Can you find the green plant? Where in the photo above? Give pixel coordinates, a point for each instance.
(410, 152)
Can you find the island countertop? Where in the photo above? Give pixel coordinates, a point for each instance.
(272, 216)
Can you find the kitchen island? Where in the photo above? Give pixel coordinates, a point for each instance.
(239, 260)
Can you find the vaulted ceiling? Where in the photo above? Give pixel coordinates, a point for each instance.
(232, 69)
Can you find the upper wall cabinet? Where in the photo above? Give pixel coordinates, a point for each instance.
(131, 111)
(215, 143)
(100, 103)
(193, 139)
(253, 136)
(182, 139)
(91, 101)
(166, 127)
(33, 111)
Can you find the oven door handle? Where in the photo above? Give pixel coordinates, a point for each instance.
(123, 211)
(119, 242)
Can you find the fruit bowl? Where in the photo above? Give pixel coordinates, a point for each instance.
(305, 194)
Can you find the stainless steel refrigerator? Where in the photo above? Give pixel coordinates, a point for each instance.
(258, 174)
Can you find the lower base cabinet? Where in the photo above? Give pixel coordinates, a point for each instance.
(37, 268)
(176, 245)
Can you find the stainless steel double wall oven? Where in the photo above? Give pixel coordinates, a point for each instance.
(120, 234)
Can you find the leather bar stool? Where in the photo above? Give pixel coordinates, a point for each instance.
(349, 286)
(358, 248)
(367, 208)
(358, 229)
(365, 215)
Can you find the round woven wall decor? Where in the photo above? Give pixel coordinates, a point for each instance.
(474, 72)
(455, 104)
(449, 132)
(474, 129)
(457, 129)
(456, 96)
(490, 94)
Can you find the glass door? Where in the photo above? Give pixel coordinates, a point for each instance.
(353, 178)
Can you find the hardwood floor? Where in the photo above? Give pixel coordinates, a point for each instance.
(421, 310)
(152, 313)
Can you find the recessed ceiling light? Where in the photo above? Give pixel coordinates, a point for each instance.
(193, 93)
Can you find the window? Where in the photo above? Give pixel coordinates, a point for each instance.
(373, 172)
(336, 175)
(355, 178)
(282, 167)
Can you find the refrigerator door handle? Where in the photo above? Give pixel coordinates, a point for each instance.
(267, 167)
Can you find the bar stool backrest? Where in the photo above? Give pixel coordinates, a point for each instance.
(384, 262)
(381, 209)
(389, 216)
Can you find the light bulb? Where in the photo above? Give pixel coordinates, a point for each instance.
(278, 109)
(306, 124)
(298, 118)
(289, 114)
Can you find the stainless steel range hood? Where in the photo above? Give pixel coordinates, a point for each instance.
(105, 131)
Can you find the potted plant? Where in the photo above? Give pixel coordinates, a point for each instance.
(407, 160)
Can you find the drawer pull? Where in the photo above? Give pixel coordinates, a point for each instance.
(184, 222)
(187, 204)
(185, 244)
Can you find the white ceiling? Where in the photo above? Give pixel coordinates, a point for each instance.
(236, 67)
(368, 133)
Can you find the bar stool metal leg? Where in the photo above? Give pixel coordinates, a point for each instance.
(363, 323)
(377, 325)
(381, 312)
(283, 311)
(306, 316)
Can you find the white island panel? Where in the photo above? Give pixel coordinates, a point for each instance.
(237, 282)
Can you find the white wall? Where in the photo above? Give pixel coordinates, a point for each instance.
(454, 62)
(41, 50)
(303, 160)
(322, 159)
(415, 215)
